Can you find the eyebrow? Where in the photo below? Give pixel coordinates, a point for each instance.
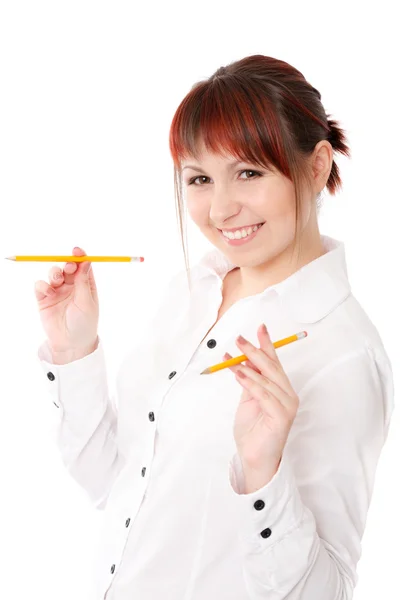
(197, 168)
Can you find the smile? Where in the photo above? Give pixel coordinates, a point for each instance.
(238, 237)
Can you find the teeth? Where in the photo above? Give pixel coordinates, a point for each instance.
(240, 233)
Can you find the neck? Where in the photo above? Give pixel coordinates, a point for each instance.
(252, 280)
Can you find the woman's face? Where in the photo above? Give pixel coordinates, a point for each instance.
(226, 199)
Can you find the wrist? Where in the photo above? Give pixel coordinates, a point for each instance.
(256, 478)
(62, 357)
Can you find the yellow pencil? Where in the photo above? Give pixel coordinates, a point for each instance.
(238, 359)
(77, 258)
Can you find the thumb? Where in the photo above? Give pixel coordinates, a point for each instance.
(84, 280)
(82, 271)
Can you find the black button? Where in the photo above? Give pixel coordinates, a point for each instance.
(171, 375)
(112, 569)
(127, 522)
(211, 343)
(259, 504)
(266, 533)
(151, 416)
(143, 471)
(50, 376)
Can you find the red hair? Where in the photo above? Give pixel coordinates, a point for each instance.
(261, 110)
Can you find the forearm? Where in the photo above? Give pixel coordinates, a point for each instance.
(87, 422)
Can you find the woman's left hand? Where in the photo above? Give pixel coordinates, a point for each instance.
(267, 407)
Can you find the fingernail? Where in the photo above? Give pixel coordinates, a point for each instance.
(265, 328)
(240, 339)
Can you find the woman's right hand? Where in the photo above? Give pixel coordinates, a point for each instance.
(69, 308)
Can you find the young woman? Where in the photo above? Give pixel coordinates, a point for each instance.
(252, 482)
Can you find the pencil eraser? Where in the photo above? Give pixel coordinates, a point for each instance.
(141, 259)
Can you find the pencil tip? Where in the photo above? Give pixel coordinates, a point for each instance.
(205, 372)
(10, 257)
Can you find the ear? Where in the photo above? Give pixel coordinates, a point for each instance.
(322, 164)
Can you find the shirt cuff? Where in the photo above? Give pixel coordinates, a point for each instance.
(267, 515)
(75, 385)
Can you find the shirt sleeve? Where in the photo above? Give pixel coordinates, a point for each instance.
(301, 533)
(87, 421)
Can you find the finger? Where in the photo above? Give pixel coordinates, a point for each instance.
(270, 368)
(268, 347)
(82, 267)
(269, 404)
(71, 268)
(266, 343)
(74, 269)
(56, 276)
(268, 386)
(85, 270)
(43, 290)
(245, 395)
(235, 368)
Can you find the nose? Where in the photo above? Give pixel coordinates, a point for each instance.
(223, 206)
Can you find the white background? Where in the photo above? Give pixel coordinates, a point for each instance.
(88, 92)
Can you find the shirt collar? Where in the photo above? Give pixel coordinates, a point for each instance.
(309, 294)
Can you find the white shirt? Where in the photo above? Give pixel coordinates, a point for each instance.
(177, 526)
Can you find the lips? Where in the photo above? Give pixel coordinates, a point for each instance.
(239, 228)
(239, 241)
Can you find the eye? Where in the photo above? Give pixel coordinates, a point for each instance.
(257, 174)
(251, 171)
(191, 181)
